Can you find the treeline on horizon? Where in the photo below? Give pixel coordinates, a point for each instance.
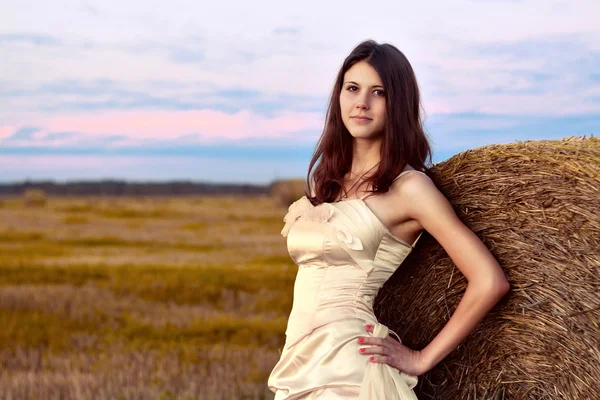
(125, 188)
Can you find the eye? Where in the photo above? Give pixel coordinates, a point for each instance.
(352, 88)
(379, 93)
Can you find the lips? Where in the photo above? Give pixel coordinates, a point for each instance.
(360, 120)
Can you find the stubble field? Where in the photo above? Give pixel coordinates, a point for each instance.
(142, 298)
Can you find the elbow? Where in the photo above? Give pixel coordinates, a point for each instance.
(503, 287)
(497, 287)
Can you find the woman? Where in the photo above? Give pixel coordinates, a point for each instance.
(368, 205)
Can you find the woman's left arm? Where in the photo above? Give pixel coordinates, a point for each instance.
(487, 283)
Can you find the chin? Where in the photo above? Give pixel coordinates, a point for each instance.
(365, 135)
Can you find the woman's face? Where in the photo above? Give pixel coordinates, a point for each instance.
(362, 101)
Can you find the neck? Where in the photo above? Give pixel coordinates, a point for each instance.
(365, 154)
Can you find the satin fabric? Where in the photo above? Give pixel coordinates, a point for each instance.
(383, 382)
(344, 255)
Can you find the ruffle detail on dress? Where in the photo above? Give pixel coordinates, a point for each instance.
(384, 382)
(304, 210)
(346, 238)
(295, 210)
(317, 214)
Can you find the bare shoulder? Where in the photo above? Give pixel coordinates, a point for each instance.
(421, 199)
(311, 187)
(396, 203)
(411, 184)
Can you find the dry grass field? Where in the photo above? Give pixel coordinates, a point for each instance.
(141, 298)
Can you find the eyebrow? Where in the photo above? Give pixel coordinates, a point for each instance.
(374, 86)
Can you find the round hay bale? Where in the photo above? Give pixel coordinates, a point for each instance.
(285, 192)
(34, 198)
(536, 206)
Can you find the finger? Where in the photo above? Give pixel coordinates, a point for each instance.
(372, 340)
(381, 359)
(369, 328)
(375, 350)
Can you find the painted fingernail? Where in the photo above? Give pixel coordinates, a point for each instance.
(360, 340)
(368, 326)
(371, 358)
(362, 350)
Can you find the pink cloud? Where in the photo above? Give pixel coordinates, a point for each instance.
(6, 131)
(207, 124)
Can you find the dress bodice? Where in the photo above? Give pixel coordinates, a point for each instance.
(344, 255)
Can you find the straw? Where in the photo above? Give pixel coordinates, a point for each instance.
(536, 206)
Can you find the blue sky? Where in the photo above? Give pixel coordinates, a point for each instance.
(236, 91)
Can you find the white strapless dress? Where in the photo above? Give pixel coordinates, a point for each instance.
(344, 255)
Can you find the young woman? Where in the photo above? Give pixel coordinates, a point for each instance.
(368, 204)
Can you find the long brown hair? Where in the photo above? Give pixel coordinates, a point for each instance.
(404, 140)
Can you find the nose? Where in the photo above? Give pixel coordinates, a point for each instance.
(362, 101)
(362, 104)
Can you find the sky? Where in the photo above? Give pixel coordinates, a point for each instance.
(236, 91)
